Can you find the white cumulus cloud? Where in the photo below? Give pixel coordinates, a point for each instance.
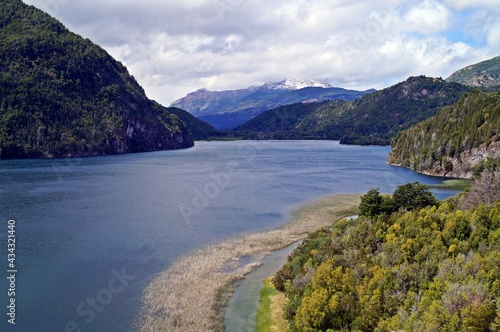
(176, 47)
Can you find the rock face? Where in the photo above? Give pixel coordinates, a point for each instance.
(61, 95)
(455, 167)
(483, 74)
(455, 140)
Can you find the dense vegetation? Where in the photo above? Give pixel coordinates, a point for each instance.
(483, 74)
(62, 95)
(279, 123)
(455, 140)
(400, 267)
(373, 119)
(200, 130)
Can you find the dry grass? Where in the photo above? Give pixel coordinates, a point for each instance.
(278, 303)
(192, 293)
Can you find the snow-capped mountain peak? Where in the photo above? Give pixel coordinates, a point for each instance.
(294, 84)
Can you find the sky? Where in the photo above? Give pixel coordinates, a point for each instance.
(173, 47)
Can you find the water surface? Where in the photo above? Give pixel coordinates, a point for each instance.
(92, 232)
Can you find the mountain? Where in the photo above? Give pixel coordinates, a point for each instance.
(230, 108)
(61, 95)
(199, 129)
(483, 74)
(279, 123)
(294, 84)
(454, 141)
(372, 119)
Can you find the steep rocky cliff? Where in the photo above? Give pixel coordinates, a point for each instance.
(453, 141)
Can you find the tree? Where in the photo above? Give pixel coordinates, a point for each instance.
(370, 203)
(485, 190)
(373, 204)
(413, 196)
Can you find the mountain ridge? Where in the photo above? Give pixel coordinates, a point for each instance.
(372, 119)
(229, 108)
(295, 84)
(482, 74)
(63, 96)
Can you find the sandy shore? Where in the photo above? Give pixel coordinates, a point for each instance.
(192, 293)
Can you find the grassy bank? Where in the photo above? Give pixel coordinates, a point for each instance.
(192, 293)
(270, 314)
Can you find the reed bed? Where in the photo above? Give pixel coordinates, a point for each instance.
(190, 296)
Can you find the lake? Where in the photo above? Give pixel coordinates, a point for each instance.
(92, 232)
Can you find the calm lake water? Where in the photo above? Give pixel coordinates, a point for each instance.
(91, 233)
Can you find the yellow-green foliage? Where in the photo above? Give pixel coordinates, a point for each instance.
(435, 269)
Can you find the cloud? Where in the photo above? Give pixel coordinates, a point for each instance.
(175, 47)
(462, 4)
(428, 17)
(494, 37)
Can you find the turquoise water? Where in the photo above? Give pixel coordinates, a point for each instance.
(91, 233)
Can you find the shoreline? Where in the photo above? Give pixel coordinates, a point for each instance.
(191, 295)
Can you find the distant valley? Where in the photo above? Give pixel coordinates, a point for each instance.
(231, 108)
(373, 119)
(323, 112)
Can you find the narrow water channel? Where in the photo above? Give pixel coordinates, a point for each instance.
(242, 308)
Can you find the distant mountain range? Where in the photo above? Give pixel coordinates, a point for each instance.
(294, 84)
(231, 108)
(61, 95)
(374, 118)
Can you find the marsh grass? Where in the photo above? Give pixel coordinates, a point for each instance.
(453, 184)
(278, 303)
(192, 293)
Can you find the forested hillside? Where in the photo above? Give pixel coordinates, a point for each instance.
(454, 141)
(373, 119)
(408, 263)
(281, 122)
(62, 95)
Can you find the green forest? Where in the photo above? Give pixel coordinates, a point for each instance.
(408, 263)
(61, 95)
(474, 121)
